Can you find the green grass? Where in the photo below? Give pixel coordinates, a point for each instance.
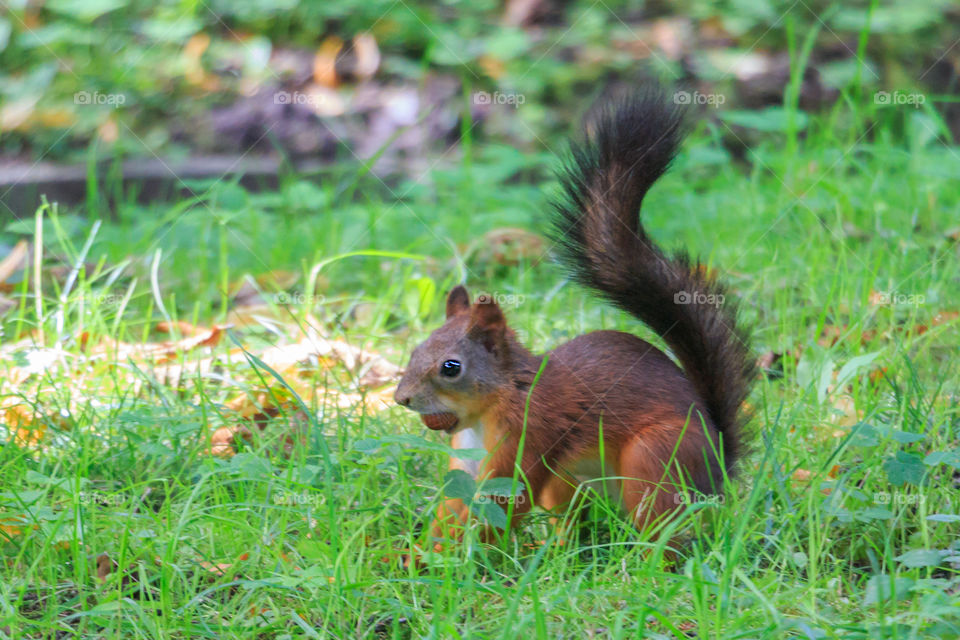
(807, 230)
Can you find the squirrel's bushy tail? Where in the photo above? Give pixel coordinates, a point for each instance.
(629, 143)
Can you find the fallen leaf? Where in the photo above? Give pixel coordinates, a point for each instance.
(105, 566)
(832, 333)
(195, 74)
(23, 421)
(12, 526)
(771, 364)
(221, 568)
(325, 62)
(246, 293)
(223, 440)
(366, 55)
(181, 327)
(844, 411)
(217, 569)
(324, 101)
(108, 132)
(14, 261)
(944, 317)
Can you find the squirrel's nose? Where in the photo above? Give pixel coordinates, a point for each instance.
(401, 399)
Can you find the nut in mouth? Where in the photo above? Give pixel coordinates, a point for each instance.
(440, 421)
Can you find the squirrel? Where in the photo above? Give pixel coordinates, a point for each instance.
(661, 430)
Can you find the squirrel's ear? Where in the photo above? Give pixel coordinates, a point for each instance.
(487, 323)
(458, 301)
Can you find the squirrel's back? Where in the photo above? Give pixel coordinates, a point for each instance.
(629, 143)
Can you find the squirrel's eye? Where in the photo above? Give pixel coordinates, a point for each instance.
(450, 369)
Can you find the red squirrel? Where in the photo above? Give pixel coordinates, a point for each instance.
(666, 431)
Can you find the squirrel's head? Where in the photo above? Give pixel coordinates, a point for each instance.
(453, 376)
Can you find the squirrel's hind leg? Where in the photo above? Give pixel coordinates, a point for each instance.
(649, 491)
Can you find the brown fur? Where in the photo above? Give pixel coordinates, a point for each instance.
(664, 430)
(642, 398)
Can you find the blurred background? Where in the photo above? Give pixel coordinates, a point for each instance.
(266, 84)
(233, 144)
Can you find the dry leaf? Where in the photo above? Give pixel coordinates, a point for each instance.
(108, 132)
(325, 62)
(355, 379)
(181, 327)
(367, 56)
(832, 333)
(14, 261)
(205, 338)
(844, 412)
(323, 100)
(105, 566)
(944, 317)
(221, 568)
(801, 475)
(245, 294)
(223, 440)
(11, 526)
(22, 421)
(771, 365)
